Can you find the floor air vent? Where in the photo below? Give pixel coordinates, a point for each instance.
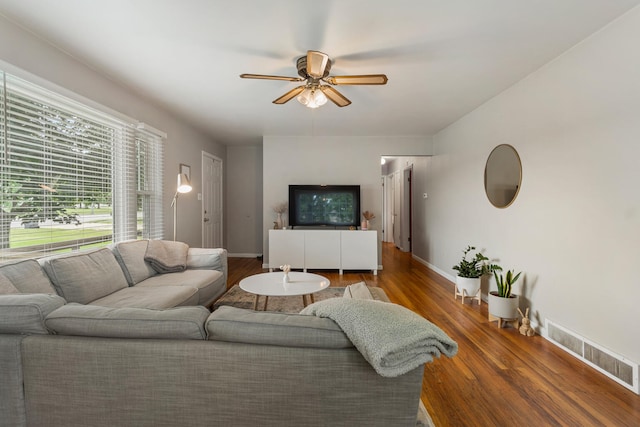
(612, 365)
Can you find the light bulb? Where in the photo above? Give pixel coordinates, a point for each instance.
(304, 97)
(319, 97)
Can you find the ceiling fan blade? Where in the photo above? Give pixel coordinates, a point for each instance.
(367, 79)
(316, 63)
(265, 77)
(335, 96)
(289, 95)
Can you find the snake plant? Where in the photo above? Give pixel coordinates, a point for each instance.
(505, 283)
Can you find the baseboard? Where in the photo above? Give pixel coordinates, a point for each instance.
(244, 255)
(434, 268)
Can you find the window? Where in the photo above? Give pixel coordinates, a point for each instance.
(72, 177)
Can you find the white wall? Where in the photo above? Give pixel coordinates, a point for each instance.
(575, 226)
(244, 207)
(31, 58)
(329, 160)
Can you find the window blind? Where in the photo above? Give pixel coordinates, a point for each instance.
(72, 177)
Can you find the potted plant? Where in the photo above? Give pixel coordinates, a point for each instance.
(279, 209)
(470, 272)
(502, 303)
(368, 216)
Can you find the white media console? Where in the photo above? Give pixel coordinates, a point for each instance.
(324, 249)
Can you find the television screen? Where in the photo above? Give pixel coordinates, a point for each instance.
(324, 205)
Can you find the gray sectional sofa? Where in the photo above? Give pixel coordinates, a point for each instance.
(100, 339)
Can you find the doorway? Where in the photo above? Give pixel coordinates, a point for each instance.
(212, 201)
(398, 200)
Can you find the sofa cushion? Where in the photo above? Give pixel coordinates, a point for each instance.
(108, 322)
(210, 283)
(233, 324)
(6, 287)
(25, 313)
(28, 277)
(152, 298)
(85, 277)
(130, 256)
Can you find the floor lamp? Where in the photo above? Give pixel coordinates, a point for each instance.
(184, 186)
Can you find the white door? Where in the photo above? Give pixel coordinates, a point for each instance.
(211, 201)
(388, 209)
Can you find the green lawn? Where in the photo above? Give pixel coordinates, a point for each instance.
(21, 237)
(89, 211)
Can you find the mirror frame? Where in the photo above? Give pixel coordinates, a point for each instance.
(519, 176)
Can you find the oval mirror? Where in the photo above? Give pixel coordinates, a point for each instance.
(502, 176)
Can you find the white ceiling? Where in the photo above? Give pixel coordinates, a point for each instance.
(443, 57)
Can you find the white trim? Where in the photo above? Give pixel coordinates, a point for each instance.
(434, 268)
(60, 90)
(150, 129)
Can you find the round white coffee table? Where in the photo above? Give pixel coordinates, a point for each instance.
(272, 285)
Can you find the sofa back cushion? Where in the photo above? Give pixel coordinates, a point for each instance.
(85, 277)
(6, 287)
(25, 314)
(94, 321)
(27, 277)
(233, 324)
(130, 255)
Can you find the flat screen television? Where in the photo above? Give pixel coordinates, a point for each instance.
(335, 206)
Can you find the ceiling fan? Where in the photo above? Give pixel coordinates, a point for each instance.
(314, 70)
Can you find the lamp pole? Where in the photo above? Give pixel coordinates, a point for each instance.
(184, 186)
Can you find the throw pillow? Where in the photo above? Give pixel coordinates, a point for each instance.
(358, 290)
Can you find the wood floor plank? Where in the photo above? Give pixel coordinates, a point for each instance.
(499, 377)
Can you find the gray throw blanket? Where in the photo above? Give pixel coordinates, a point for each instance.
(167, 257)
(393, 339)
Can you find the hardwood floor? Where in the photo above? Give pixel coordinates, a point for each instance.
(498, 377)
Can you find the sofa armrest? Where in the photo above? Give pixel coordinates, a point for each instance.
(25, 313)
(208, 259)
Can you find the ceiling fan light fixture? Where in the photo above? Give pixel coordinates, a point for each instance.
(314, 69)
(312, 98)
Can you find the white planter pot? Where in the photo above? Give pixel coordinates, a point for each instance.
(471, 286)
(503, 308)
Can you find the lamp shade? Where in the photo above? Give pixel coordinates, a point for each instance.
(184, 185)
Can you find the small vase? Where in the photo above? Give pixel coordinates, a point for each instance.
(364, 225)
(285, 278)
(279, 221)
